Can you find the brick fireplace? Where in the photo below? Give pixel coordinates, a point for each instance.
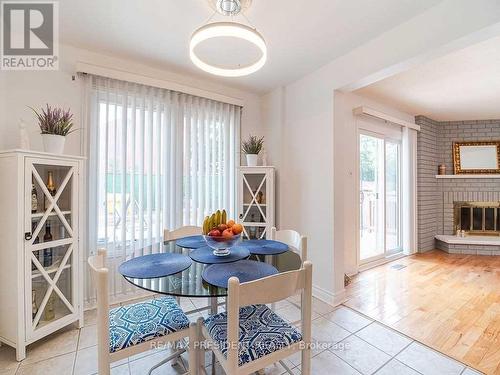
(438, 198)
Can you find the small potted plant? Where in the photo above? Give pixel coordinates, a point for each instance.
(252, 147)
(55, 124)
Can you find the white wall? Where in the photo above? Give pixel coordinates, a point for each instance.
(309, 180)
(20, 89)
(272, 107)
(346, 166)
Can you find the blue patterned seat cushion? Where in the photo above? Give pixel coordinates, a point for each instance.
(139, 322)
(262, 332)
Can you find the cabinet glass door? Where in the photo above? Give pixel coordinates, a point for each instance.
(254, 210)
(50, 243)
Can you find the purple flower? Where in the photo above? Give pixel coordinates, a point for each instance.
(54, 120)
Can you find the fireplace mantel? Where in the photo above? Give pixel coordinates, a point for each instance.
(450, 176)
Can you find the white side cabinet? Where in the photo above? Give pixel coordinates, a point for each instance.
(255, 208)
(40, 258)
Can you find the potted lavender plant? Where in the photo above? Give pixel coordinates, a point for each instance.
(252, 147)
(55, 124)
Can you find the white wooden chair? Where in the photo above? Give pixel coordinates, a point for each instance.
(293, 239)
(234, 335)
(296, 242)
(121, 332)
(188, 230)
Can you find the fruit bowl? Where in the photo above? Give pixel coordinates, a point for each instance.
(222, 244)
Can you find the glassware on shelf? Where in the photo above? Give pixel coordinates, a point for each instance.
(49, 313)
(62, 231)
(34, 307)
(47, 253)
(252, 232)
(51, 187)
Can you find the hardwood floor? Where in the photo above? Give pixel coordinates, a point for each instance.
(449, 302)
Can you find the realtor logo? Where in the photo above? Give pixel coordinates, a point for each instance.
(30, 35)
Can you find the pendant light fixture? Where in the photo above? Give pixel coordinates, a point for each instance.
(229, 8)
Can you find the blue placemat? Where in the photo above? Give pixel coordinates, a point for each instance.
(191, 242)
(244, 270)
(206, 255)
(264, 247)
(154, 265)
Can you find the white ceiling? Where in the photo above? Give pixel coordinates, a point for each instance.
(463, 85)
(302, 35)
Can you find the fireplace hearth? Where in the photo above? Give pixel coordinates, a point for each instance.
(477, 218)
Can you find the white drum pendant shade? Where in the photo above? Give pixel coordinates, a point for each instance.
(228, 29)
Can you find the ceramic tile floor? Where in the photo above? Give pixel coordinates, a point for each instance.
(346, 343)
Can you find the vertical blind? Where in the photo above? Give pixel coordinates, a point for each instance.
(158, 159)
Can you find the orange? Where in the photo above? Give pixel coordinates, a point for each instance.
(230, 223)
(237, 228)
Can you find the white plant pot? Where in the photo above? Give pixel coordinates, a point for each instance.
(53, 143)
(252, 160)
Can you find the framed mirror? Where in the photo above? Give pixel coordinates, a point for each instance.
(476, 157)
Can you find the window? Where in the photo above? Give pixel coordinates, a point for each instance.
(158, 160)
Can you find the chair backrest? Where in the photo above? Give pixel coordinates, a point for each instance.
(293, 239)
(264, 291)
(188, 230)
(97, 264)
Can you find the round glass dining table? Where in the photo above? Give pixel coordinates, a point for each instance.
(189, 283)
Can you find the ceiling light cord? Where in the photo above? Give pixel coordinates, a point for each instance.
(249, 22)
(210, 18)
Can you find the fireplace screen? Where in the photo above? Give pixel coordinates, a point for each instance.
(477, 217)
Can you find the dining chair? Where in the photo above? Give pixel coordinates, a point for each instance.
(293, 239)
(249, 336)
(187, 230)
(135, 328)
(296, 242)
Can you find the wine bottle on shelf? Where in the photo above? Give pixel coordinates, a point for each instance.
(34, 307)
(47, 253)
(51, 187)
(35, 241)
(34, 199)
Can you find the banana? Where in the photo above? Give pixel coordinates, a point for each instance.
(212, 222)
(224, 217)
(206, 223)
(218, 218)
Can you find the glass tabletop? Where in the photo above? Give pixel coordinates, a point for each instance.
(189, 283)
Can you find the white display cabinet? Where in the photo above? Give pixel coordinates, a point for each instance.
(255, 208)
(40, 259)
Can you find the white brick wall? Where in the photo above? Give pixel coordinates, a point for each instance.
(435, 197)
(428, 198)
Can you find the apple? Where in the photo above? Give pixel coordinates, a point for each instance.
(227, 233)
(214, 233)
(222, 227)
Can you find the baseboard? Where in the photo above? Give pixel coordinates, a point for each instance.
(326, 296)
(380, 262)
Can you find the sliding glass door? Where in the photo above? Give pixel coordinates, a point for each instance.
(380, 197)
